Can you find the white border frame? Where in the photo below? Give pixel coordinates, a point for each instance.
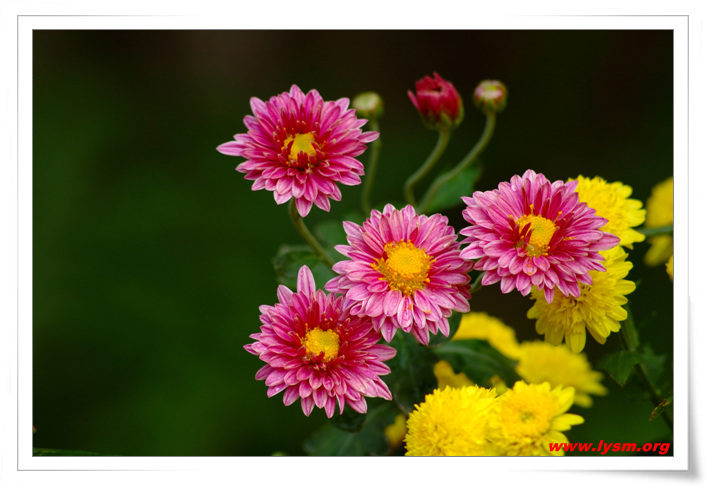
(20, 385)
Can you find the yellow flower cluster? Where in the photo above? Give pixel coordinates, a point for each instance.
(541, 361)
(537, 361)
(660, 212)
(479, 325)
(612, 202)
(451, 422)
(598, 309)
(445, 376)
(474, 421)
(530, 417)
(461, 418)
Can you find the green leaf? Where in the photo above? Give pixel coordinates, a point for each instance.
(370, 440)
(479, 360)
(60, 452)
(331, 441)
(648, 321)
(449, 195)
(654, 365)
(290, 258)
(412, 371)
(354, 216)
(349, 420)
(398, 204)
(322, 274)
(619, 365)
(331, 233)
(439, 339)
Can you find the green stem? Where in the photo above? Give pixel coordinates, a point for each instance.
(467, 161)
(476, 285)
(306, 234)
(441, 142)
(628, 337)
(372, 168)
(663, 230)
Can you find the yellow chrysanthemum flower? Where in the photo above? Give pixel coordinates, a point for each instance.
(445, 376)
(660, 212)
(670, 267)
(479, 325)
(451, 422)
(612, 201)
(541, 361)
(396, 431)
(529, 417)
(598, 309)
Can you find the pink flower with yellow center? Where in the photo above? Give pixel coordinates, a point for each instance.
(299, 146)
(533, 232)
(405, 272)
(317, 351)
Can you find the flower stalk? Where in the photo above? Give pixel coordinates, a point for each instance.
(661, 231)
(298, 222)
(434, 156)
(466, 162)
(477, 283)
(372, 169)
(628, 338)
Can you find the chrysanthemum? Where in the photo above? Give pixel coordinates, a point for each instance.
(404, 271)
(612, 202)
(541, 361)
(315, 350)
(300, 146)
(530, 232)
(598, 307)
(451, 422)
(479, 325)
(660, 212)
(527, 418)
(445, 376)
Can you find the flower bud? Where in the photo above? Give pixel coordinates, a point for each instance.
(368, 105)
(490, 96)
(438, 102)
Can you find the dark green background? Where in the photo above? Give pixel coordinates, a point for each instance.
(152, 255)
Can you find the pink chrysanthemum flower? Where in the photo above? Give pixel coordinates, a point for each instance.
(317, 351)
(405, 271)
(300, 146)
(533, 232)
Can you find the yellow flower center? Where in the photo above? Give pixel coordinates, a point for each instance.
(526, 416)
(542, 231)
(530, 420)
(317, 341)
(301, 142)
(404, 266)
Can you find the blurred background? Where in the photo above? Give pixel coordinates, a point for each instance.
(152, 255)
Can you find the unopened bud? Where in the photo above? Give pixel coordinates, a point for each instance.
(438, 102)
(490, 96)
(368, 105)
